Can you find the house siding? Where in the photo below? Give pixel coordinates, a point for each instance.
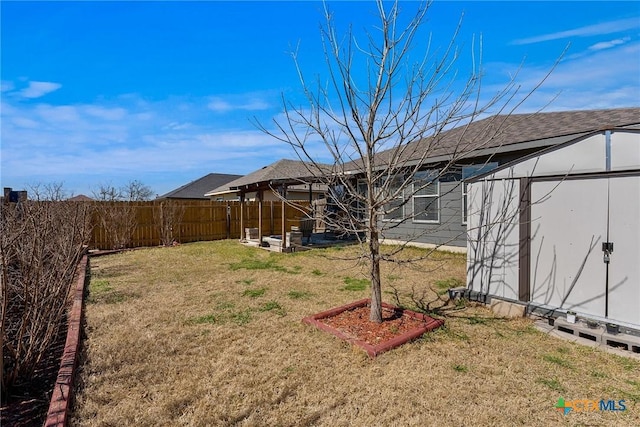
(448, 231)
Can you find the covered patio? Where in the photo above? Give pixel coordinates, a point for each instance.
(292, 183)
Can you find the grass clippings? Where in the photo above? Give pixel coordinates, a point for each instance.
(191, 349)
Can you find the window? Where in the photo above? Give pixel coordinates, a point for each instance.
(470, 172)
(394, 210)
(360, 205)
(426, 197)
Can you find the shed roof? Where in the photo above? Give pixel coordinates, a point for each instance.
(196, 189)
(504, 133)
(586, 154)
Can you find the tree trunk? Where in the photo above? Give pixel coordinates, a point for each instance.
(375, 315)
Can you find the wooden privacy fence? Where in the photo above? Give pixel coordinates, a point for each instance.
(193, 220)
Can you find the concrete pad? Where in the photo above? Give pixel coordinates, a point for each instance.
(507, 309)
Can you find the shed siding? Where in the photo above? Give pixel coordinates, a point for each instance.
(493, 230)
(625, 151)
(586, 156)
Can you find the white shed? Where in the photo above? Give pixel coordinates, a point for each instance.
(559, 230)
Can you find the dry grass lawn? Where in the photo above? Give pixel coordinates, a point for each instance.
(211, 334)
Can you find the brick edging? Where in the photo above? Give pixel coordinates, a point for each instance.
(374, 350)
(63, 388)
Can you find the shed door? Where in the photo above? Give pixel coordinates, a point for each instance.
(569, 222)
(568, 226)
(624, 232)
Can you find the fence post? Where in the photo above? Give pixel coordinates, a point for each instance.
(228, 220)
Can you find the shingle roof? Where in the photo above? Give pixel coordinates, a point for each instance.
(80, 198)
(283, 169)
(196, 189)
(511, 132)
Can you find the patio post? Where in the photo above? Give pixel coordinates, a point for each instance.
(241, 216)
(259, 195)
(284, 217)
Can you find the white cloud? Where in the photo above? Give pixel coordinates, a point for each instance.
(609, 44)
(583, 81)
(219, 105)
(235, 103)
(173, 126)
(57, 114)
(589, 30)
(38, 89)
(85, 144)
(6, 86)
(105, 113)
(24, 122)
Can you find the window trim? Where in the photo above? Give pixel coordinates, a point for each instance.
(426, 196)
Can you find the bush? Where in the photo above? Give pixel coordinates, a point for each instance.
(41, 242)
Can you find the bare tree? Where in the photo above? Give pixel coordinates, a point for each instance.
(381, 114)
(136, 191)
(168, 215)
(132, 191)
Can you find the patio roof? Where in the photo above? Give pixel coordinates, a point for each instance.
(283, 172)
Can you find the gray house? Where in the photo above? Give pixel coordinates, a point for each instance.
(437, 215)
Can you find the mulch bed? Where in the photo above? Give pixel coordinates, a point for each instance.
(351, 323)
(355, 324)
(28, 402)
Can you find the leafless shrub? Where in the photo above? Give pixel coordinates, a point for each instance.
(168, 214)
(41, 241)
(116, 211)
(118, 220)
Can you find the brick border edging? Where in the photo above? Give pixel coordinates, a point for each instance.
(57, 416)
(374, 350)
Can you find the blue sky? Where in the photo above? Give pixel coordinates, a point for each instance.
(165, 92)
